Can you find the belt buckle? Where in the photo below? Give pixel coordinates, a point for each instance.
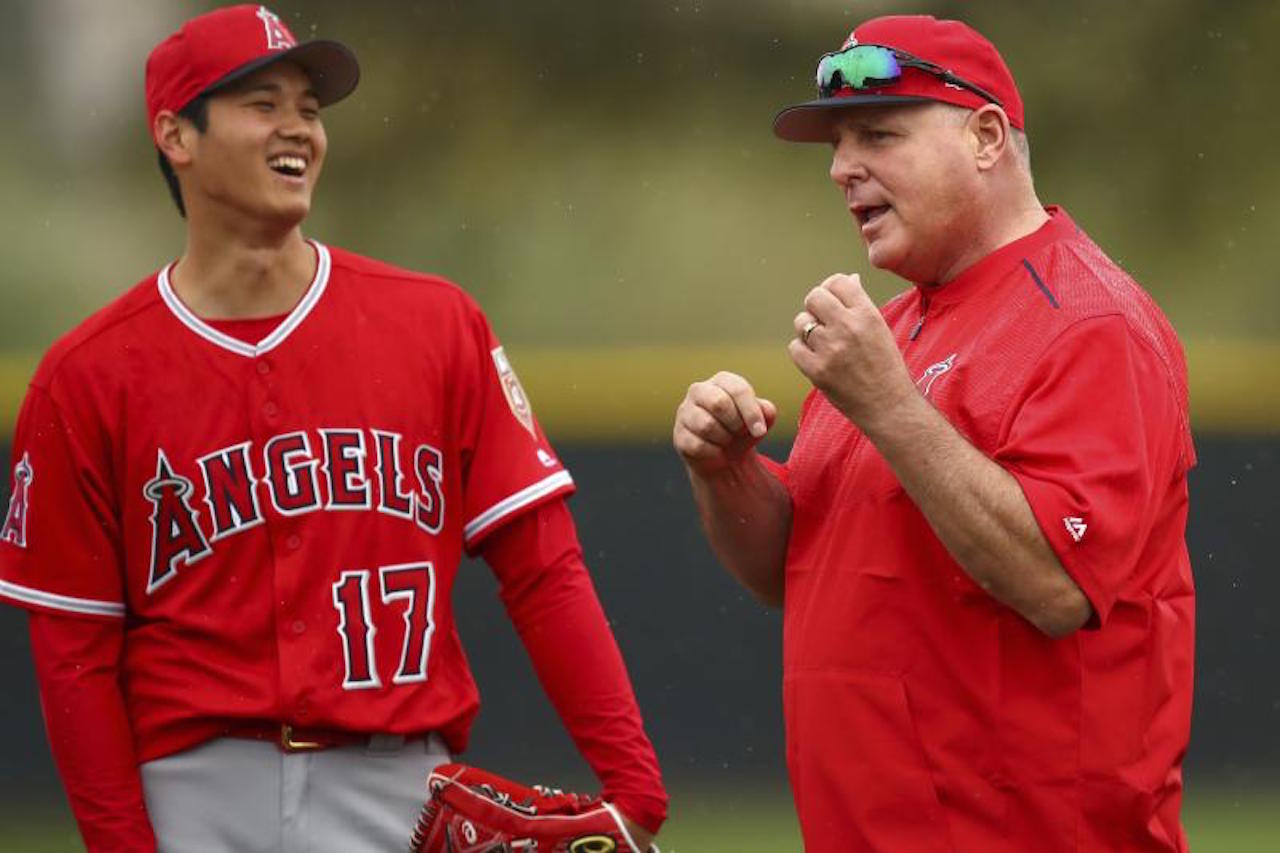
(289, 744)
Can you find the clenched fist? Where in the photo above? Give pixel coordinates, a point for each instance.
(719, 422)
(844, 347)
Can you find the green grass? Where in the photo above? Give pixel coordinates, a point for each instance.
(707, 821)
(1233, 821)
(710, 820)
(1217, 821)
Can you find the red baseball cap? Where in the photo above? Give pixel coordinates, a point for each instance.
(955, 47)
(227, 44)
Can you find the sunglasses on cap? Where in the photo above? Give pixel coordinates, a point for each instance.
(870, 66)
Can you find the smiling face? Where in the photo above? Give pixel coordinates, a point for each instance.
(909, 179)
(262, 152)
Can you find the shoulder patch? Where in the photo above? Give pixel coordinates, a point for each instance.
(514, 391)
(15, 520)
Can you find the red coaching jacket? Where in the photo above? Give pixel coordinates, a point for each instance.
(924, 715)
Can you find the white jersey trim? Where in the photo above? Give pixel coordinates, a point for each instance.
(514, 503)
(87, 606)
(271, 341)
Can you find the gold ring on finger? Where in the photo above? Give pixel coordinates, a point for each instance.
(808, 330)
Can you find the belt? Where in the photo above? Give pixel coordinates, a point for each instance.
(291, 738)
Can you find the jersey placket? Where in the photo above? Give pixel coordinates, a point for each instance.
(267, 415)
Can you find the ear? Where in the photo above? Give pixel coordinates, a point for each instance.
(171, 135)
(988, 130)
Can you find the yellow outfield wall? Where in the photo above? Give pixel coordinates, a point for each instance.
(629, 393)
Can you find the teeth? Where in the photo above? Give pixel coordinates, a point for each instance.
(296, 165)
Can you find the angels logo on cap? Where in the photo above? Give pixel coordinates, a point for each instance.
(901, 60)
(216, 49)
(278, 36)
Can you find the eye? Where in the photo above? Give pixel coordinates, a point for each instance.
(263, 106)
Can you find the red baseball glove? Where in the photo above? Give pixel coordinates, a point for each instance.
(473, 811)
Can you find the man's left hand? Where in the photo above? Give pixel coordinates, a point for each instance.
(849, 353)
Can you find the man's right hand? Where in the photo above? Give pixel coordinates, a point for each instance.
(719, 421)
(745, 509)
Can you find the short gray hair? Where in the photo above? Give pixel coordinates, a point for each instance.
(1021, 145)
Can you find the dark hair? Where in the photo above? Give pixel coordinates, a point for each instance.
(196, 112)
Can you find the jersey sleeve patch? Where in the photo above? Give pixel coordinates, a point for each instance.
(513, 390)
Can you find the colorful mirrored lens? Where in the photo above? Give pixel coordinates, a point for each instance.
(862, 66)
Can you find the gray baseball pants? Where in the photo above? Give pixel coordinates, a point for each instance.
(247, 796)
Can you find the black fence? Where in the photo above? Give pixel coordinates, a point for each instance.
(706, 659)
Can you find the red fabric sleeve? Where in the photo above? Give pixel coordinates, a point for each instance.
(77, 663)
(1095, 440)
(59, 543)
(551, 601)
(509, 464)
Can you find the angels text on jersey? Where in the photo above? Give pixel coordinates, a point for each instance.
(293, 473)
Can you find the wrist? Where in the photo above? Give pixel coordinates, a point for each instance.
(640, 837)
(726, 474)
(717, 465)
(893, 415)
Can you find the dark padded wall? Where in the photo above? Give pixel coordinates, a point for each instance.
(706, 659)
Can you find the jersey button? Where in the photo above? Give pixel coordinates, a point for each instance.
(271, 410)
(299, 627)
(294, 542)
(264, 368)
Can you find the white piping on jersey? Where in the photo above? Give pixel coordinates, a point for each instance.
(87, 606)
(510, 504)
(271, 341)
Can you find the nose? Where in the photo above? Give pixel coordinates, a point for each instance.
(847, 165)
(294, 125)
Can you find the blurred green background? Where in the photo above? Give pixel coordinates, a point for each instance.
(602, 177)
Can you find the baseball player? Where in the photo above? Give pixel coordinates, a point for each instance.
(242, 491)
(978, 539)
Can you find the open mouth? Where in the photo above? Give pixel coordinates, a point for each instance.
(867, 215)
(288, 165)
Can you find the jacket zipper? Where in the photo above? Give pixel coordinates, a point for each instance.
(924, 310)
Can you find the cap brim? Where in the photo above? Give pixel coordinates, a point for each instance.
(331, 65)
(811, 121)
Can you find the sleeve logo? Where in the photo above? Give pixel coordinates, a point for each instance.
(1076, 526)
(511, 387)
(15, 520)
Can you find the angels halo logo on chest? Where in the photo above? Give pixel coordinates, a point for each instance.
(933, 372)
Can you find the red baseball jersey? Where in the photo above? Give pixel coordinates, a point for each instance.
(922, 714)
(279, 524)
